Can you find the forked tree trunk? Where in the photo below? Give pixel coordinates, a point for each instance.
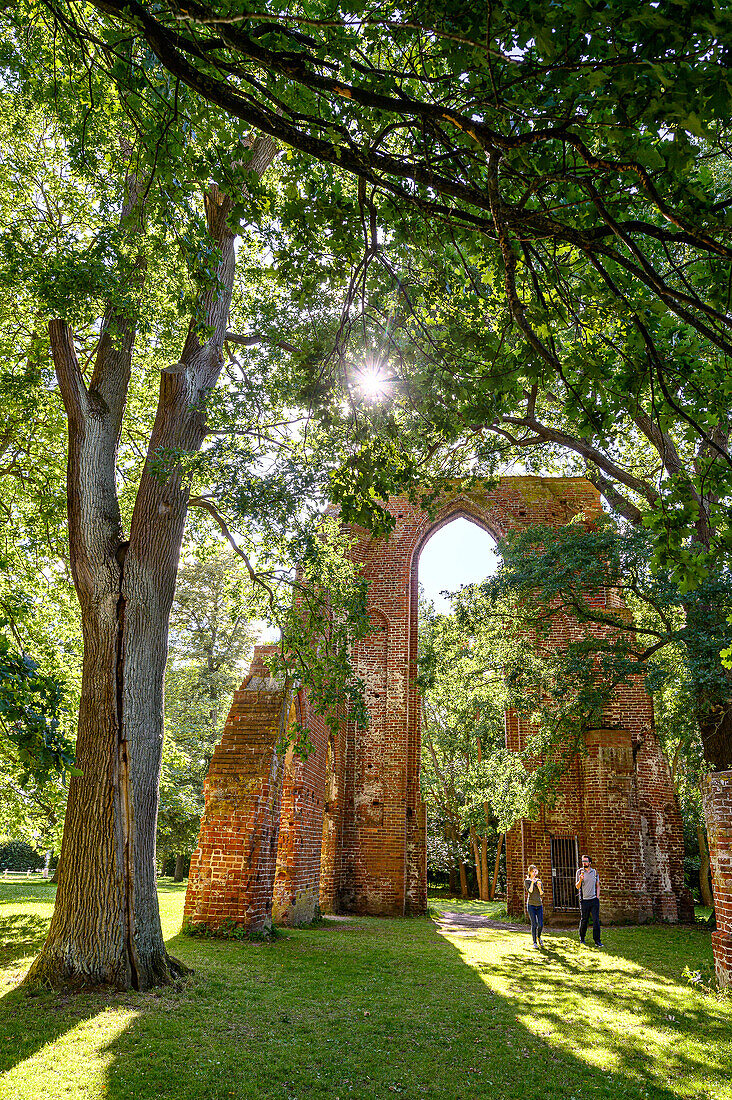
(105, 929)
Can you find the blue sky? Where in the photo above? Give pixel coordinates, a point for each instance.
(459, 553)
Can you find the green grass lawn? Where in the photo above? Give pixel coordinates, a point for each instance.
(370, 1008)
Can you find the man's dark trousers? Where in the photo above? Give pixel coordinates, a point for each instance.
(590, 907)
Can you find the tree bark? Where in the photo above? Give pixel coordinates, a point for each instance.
(180, 863)
(105, 929)
(705, 889)
(495, 869)
(474, 838)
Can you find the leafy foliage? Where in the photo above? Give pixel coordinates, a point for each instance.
(631, 621)
(17, 855)
(473, 786)
(29, 716)
(211, 639)
(573, 164)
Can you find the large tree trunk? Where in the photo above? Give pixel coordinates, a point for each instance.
(179, 873)
(105, 929)
(705, 889)
(715, 726)
(707, 623)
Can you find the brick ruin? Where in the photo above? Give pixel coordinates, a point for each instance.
(717, 799)
(345, 829)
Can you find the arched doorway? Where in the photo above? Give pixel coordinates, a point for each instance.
(382, 865)
(461, 711)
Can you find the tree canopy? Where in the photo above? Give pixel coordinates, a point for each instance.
(573, 165)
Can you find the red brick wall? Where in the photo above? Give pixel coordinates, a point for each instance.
(297, 880)
(717, 797)
(623, 773)
(232, 869)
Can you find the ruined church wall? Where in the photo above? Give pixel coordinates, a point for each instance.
(347, 826)
(297, 879)
(232, 870)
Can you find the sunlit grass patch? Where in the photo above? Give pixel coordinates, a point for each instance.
(371, 1008)
(495, 910)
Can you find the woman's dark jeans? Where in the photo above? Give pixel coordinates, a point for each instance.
(536, 913)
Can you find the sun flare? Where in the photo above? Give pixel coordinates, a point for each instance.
(372, 383)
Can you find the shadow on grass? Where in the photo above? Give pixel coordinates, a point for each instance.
(28, 1023)
(576, 989)
(379, 1008)
(495, 909)
(20, 933)
(393, 1008)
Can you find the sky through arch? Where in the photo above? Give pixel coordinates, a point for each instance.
(459, 553)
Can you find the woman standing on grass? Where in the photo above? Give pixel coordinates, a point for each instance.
(535, 903)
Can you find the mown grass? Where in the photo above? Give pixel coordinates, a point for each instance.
(496, 910)
(373, 1008)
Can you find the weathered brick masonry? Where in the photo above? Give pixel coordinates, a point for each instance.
(717, 796)
(233, 868)
(352, 819)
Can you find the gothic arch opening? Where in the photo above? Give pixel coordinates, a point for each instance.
(459, 715)
(456, 552)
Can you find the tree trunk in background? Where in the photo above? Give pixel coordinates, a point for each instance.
(455, 836)
(179, 873)
(463, 880)
(705, 889)
(105, 929)
(495, 869)
(483, 877)
(474, 839)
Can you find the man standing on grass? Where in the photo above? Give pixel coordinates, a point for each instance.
(588, 884)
